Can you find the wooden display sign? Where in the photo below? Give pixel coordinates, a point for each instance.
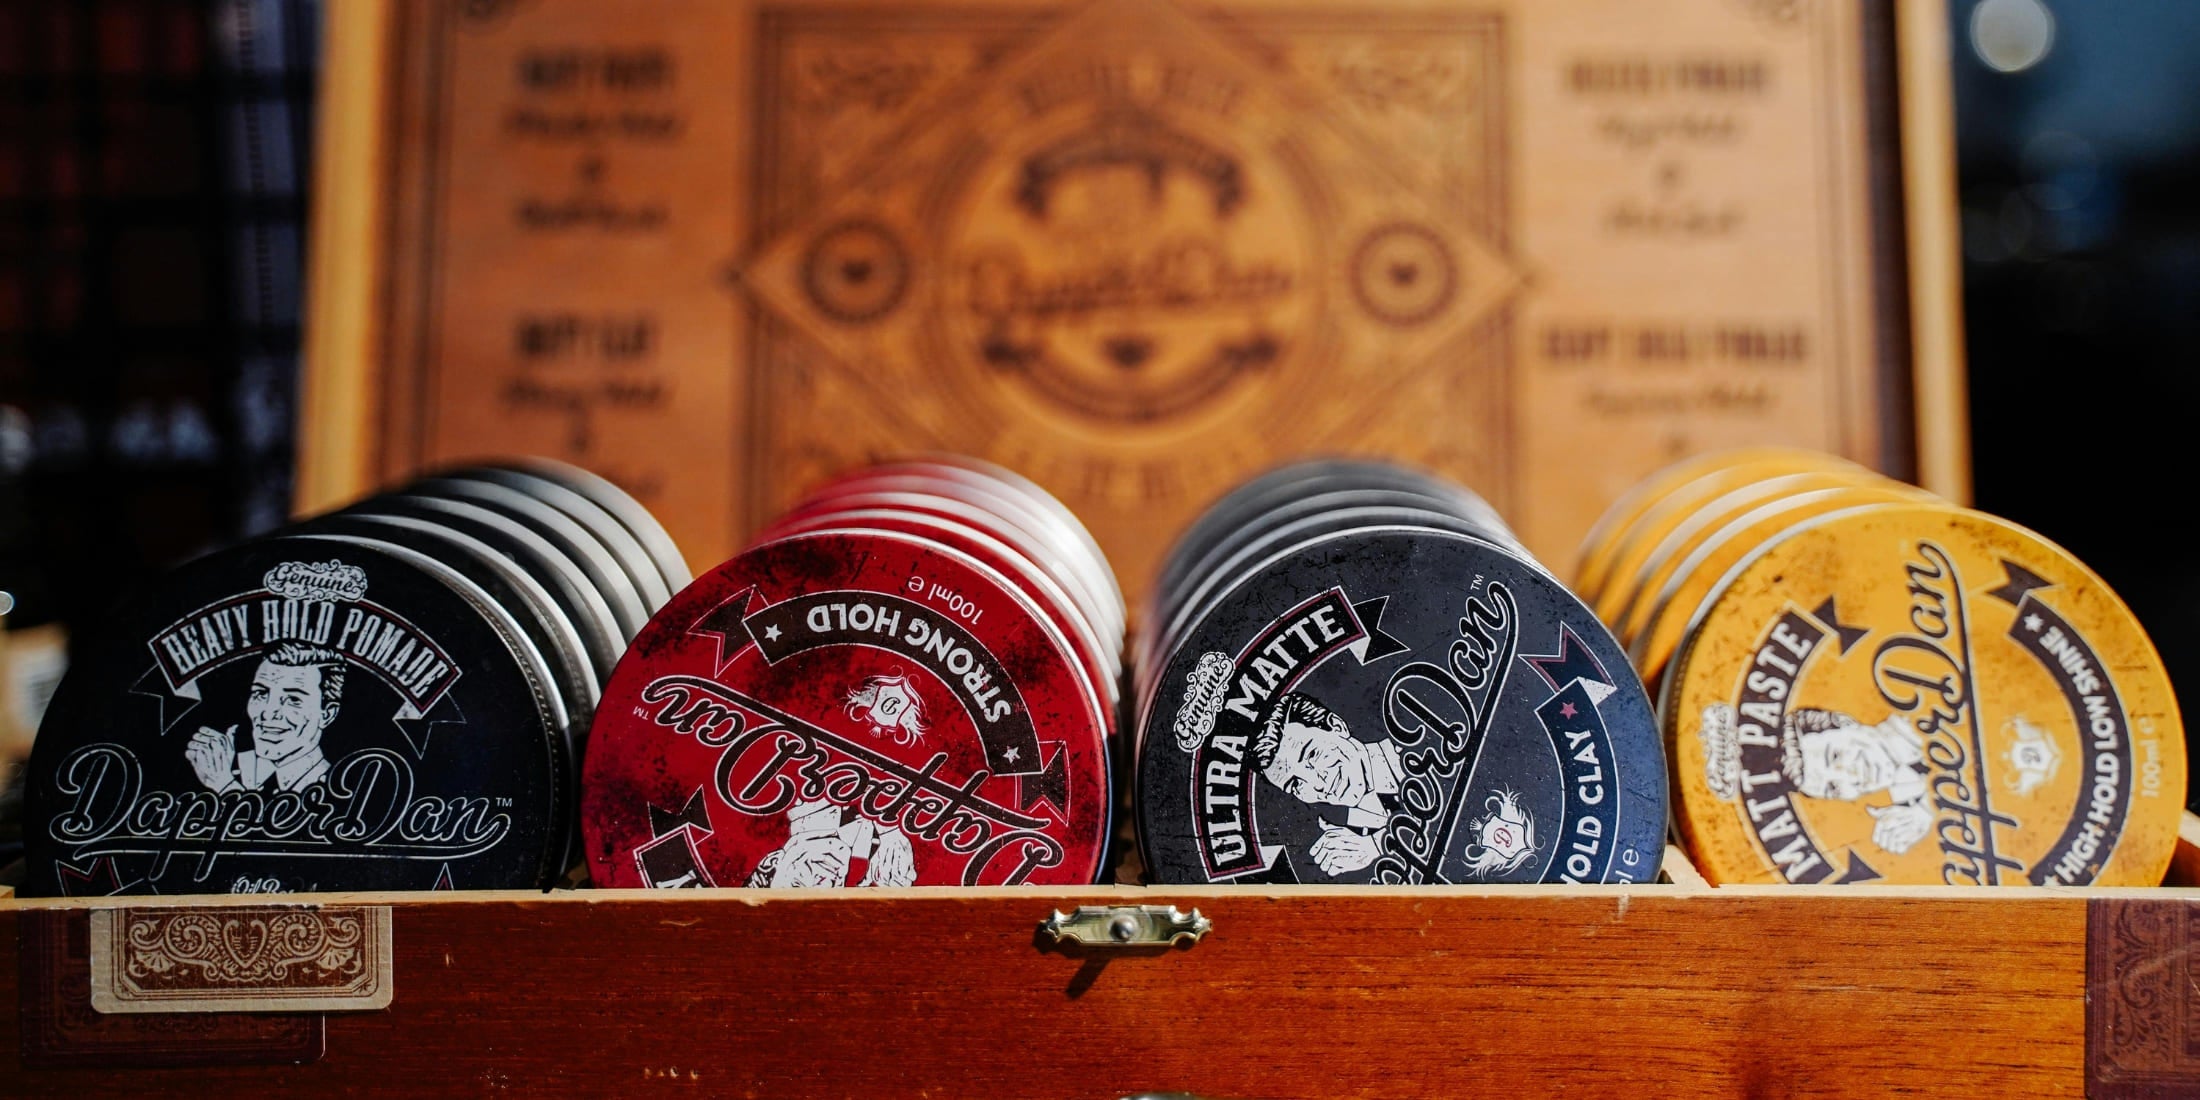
(1136, 249)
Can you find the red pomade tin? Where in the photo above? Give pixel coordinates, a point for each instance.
(858, 708)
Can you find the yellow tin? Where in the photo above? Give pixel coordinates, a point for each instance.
(1633, 599)
(1634, 544)
(1674, 602)
(1593, 559)
(1915, 694)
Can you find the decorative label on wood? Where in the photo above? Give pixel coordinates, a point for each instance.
(61, 1029)
(2140, 992)
(1137, 250)
(253, 959)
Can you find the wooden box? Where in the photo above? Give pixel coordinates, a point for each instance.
(1137, 249)
(709, 248)
(1669, 989)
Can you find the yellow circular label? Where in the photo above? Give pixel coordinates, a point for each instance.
(1674, 602)
(1596, 547)
(1921, 694)
(1635, 543)
(1632, 600)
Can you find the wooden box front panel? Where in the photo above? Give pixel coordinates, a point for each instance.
(1137, 249)
(1315, 993)
(1296, 991)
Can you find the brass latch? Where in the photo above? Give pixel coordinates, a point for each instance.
(1126, 925)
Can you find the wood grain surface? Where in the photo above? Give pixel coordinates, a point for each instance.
(1137, 249)
(1301, 992)
(1449, 992)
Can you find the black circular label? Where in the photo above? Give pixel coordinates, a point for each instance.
(1399, 705)
(296, 714)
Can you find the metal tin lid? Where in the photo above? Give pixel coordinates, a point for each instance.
(300, 713)
(1055, 558)
(638, 520)
(1033, 522)
(1096, 660)
(1398, 704)
(1048, 502)
(1216, 580)
(1297, 480)
(1634, 544)
(584, 605)
(625, 547)
(606, 573)
(1693, 578)
(1916, 693)
(1653, 495)
(1257, 526)
(504, 582)
(1621, 601)
(852, 708)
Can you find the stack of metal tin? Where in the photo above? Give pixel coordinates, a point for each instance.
(908, 679)
(1354, 672)
(391, 697)
(1862, 682)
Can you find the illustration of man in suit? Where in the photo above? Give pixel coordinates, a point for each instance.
(1308, 751)
(1830, 755)
(295, 694)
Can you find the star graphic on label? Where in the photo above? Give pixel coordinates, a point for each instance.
(1009, 754)
(2032, 623)
(771, 633)
(1566, 710)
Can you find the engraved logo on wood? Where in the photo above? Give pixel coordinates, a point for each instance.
(855, 272)
(1128, 261)
(1130, 250)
